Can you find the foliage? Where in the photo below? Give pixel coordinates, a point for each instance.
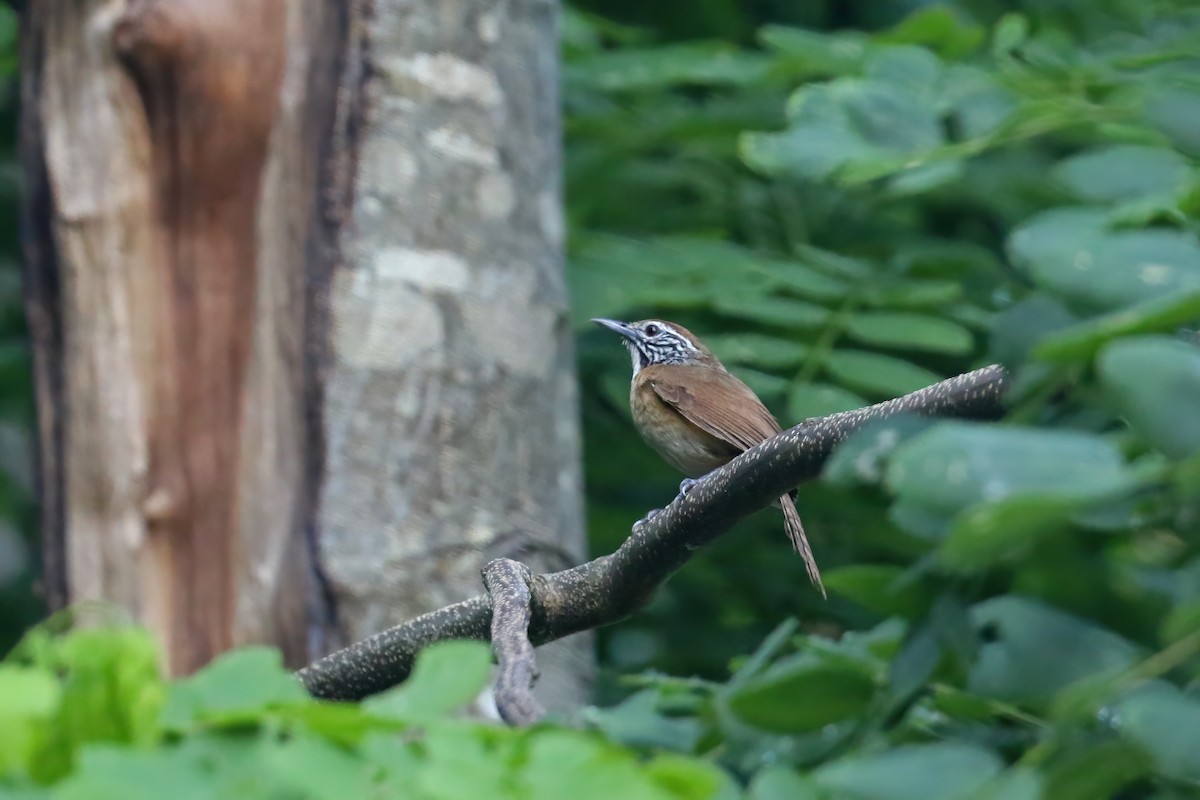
(846, 215)
(18, 607)
(87, 715)
(897, 192)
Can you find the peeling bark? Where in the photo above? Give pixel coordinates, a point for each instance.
(171, 151)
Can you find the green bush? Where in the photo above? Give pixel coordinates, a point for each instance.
(87, 716)
(846, 216)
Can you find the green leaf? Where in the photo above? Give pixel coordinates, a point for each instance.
(1165, 722)
(884, 589)
(914, 293)
(909, 180)
(909, 331)
(614, 270)
(862, 458)
(397, 760)
(1017, 783)
(761, 350)
(687, 779)
(26, 693)
(1097, 770)
(1119, 173)
(903, 67)
(446, 677)
(956, 465)
(942, 771)
(614, 276)
(846, 267)
(237, 687)
(110, 773)
(802, 280)
(913, 666)
(878, 375)
(813, 53)
(564, 764)
(1010, 34)
(813, 151)
(801, 694)
(1183, 620)
(939, 27)
(112, 690)
(1070, 251)
(637, 721)
(459, 763)
(881, 119)
(989, 534)
(981, 103)
(1083, 340)
(1023, 326)
(688, 63)
(807, 400)
(780, 783)
(29, 699)
(1155, 382)
(1175, 111)
(300, 765)
(1031, 651)
(962, 705)
(779, 311)
(344, 723)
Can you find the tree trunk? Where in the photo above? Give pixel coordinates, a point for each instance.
(451, 410)
(294, 283)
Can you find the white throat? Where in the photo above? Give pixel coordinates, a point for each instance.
(634, 356)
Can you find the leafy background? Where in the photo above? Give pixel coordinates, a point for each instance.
(18, 606)
(848, 200)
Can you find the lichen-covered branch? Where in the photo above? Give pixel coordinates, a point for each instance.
(507, 584)
(612, 587)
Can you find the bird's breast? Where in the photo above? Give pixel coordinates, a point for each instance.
(684, 446)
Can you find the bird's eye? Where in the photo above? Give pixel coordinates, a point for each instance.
(652, 330)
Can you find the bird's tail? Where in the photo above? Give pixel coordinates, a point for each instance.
(795, 532)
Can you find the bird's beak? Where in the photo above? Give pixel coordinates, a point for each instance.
(622, 328)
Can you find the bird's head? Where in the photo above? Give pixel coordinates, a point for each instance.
(654, 341)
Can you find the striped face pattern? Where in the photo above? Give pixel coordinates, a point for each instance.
(658, 342)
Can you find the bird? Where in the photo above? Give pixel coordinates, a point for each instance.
(696, 414)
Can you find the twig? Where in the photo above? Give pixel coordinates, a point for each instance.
(507, 583)
(610, 588)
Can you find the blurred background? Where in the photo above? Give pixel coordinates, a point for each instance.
(853, 200)
(848, 201)
(19, 607)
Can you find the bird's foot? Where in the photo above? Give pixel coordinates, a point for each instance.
(651, 514)
(687, 484)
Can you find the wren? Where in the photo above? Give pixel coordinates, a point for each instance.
(695, 413)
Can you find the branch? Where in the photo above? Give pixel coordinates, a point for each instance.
(610, 588)
(507, 583)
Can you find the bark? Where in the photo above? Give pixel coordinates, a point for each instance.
(172, 151)
(294, 280)
(451, 416)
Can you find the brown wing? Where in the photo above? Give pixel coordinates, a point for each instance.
(714, 401)
(726, 408)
